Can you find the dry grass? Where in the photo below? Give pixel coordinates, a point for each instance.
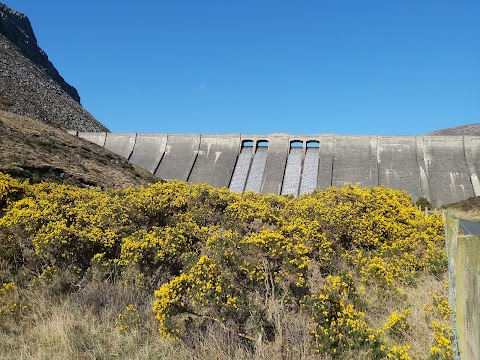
(468, 209)
(471, 215)
(65, 329)
(72, 327)
(381, 305)
(32, 149)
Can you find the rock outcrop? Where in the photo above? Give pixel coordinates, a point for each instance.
(27, 88)
(16, 27)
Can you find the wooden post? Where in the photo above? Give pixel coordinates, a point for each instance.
(467, 299)
(451, 235)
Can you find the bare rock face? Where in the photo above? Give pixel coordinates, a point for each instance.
(17, 28)
(28, 88)
(470, 129)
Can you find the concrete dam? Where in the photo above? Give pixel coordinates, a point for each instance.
(443, 169)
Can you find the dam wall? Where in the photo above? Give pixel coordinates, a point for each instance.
(443, 169)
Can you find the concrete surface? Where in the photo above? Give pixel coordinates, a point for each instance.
(308, 182)
(325, 165)
(94, 137)
(444, 169)
(293, 171)
(242, 168)
(355, 161)
(257, 170)
(216, 160)
(180, 155)
(278, 146)
(397, 164)
(121, 144)
(472, 157)
(148, 151)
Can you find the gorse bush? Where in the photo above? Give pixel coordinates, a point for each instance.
(423, 203)
(244, 263)
(10, 190)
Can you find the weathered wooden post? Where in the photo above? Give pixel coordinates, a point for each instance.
(451, 236)
(464, 289)
(467, 302)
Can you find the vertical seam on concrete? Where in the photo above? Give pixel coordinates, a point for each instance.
(264, 175)
(318, 165)
(105, 139)
(378, 165)
(161, 157)
(239, 148)
(471, 168)
(133, 148)
(302, 165)
(279, 191)
(284, 172)
(285, 168)
(427, 190)
(423, 190)
(328, 144)
(195, 159)
(333, 159)
(418, 166)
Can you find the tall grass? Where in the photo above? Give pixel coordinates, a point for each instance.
(83, 326)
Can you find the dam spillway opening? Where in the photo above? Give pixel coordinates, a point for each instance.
(443, 169)
(257, 167)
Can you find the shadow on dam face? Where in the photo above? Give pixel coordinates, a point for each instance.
(443, 169)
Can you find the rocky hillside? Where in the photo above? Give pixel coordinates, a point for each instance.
(30, 85)
(30, 149)
(470, 129)
(16, 27)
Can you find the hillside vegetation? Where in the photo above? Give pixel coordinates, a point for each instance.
(189, 271)
(30, 149)
(468, 209)
(467, 130)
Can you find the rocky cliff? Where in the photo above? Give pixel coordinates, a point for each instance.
(17, 28)
(27, 87)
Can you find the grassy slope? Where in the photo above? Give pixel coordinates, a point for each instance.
(468, 209)
(30, 149)
(70, 328)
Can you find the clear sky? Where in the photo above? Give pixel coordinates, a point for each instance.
(263, 66)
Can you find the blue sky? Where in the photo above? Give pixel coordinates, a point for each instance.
(190, 66)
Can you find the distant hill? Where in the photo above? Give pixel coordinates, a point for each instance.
(30, 149)
(468, 209)
(29, 83)
(471, 129)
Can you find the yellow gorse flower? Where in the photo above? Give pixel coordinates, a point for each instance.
(212, 255)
